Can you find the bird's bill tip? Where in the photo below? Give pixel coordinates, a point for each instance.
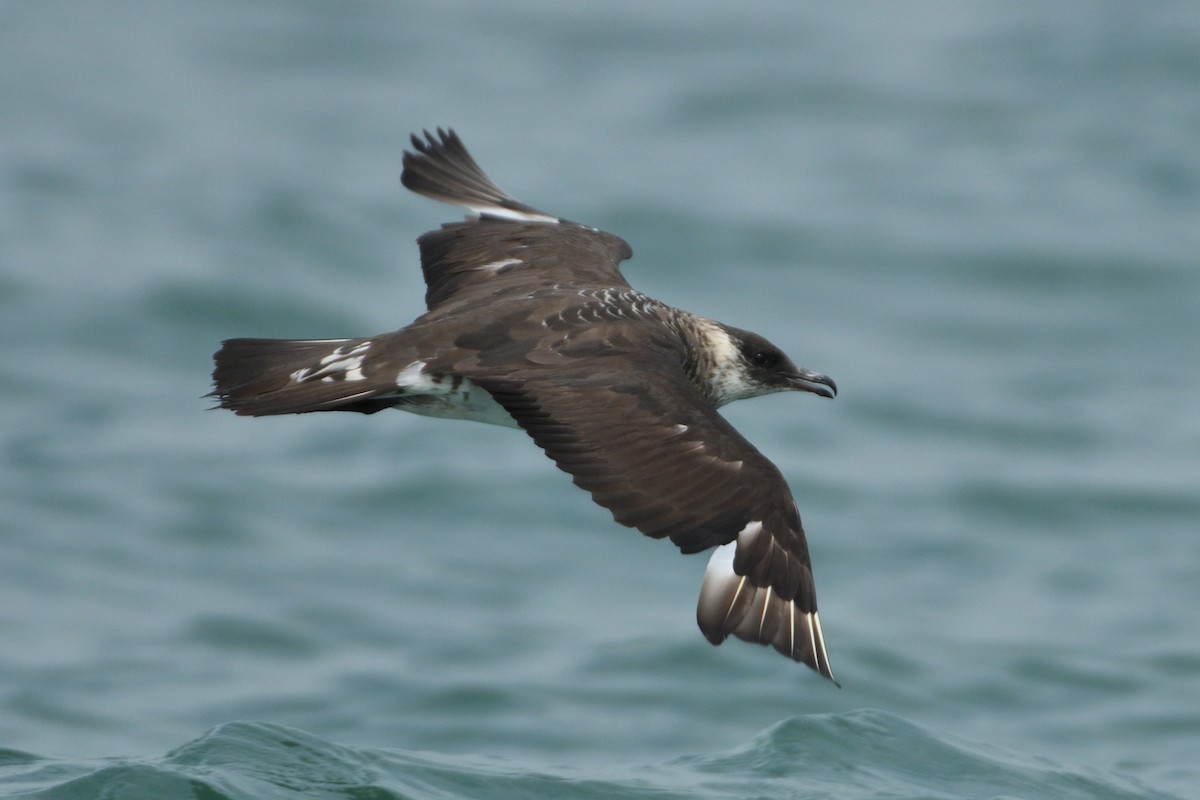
(809, 381)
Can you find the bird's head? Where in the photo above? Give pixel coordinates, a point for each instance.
(745, 365)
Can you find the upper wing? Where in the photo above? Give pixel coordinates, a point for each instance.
(510, 246)
(661, 459)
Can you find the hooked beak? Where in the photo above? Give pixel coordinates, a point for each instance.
(806, 380)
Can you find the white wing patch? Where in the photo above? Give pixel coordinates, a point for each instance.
(722, 586)
(730, 604)
(499, 212)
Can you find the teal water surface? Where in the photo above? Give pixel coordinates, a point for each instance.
(796, 757)
(982, 221)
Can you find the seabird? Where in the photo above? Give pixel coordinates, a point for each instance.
(531, 325)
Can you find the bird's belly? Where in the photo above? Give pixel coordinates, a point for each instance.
(451, 397)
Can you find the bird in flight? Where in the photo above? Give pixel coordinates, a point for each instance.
(531, 324)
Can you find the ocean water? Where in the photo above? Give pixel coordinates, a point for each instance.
(982, 220)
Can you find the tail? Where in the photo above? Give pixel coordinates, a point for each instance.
(259, 377)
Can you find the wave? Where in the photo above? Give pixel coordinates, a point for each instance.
(845, 756)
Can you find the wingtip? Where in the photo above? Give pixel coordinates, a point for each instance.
(729, 603)
(440, 167)
(445, 138)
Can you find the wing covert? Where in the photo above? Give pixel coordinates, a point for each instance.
(486, 258)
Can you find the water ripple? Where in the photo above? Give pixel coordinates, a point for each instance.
(851, 756)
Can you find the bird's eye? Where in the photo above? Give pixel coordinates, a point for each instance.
(764, 358)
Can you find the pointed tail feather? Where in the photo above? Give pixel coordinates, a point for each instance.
(260, 377)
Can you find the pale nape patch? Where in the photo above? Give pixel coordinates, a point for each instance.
(728, 379)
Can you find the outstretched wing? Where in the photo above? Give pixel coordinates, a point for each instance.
(509, 247)
(661, 459)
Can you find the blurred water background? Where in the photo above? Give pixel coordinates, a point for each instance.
(982, 220)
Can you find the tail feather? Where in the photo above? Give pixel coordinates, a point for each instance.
(260, 377)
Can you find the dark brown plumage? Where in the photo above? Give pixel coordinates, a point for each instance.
(530, 323)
